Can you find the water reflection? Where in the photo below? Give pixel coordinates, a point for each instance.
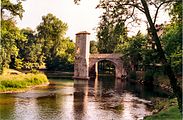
(6, 107)
(80, 99)
(102, 98)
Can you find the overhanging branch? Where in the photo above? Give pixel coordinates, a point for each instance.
(158, 7)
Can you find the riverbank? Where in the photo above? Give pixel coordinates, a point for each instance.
(166, 109)
(21, 82)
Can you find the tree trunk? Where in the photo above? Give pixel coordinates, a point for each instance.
(173, 81)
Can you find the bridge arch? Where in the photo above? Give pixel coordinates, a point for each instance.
(94, 59)
(94, 66)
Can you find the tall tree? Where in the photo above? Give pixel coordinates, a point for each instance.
(173, 80)
(51, 32)
(55, 46)
(109, 34)
(9, 32)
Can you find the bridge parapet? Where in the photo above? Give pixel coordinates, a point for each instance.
(105, 56)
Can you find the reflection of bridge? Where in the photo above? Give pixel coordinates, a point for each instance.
(84, 61)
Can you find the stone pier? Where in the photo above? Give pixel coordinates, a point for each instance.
(82, 47)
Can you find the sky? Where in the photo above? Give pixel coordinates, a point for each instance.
(83, 17)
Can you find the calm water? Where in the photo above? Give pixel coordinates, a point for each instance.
(99, 99)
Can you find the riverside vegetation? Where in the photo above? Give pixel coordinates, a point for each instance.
(165, 109)
(21, 82)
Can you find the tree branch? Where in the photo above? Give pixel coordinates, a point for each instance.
(158, 7)
(135, 5)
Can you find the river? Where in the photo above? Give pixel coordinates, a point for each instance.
(102, 98)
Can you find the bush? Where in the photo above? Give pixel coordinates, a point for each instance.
(13, 82)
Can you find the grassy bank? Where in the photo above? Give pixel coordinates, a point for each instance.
(172, 113)
(14, 83)
(165, 110)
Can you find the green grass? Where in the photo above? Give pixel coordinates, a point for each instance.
(172, 113)
(21, 81)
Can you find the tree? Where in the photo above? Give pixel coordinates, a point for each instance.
(172, 37)
(15, 9)
(9, 35)
(29, 51)
(51, 32)
(109, 34)
(93, 47)
(173, 81)
(172, 41)
(56, 49)
(9, 32)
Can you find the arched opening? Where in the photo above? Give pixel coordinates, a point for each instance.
(106, 68)
(102, 68)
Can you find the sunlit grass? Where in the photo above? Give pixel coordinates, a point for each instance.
(171, 113)
(21, 81)
(168, 110)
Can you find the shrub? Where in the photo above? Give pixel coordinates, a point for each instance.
(21, 81)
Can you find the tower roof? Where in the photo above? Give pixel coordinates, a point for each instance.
(83, 32)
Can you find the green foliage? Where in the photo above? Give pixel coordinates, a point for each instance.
(18, 64)
(51, 33)
(110, 34)
(133, 49)
(168, 110)
(133, 75)
(15, 9)
(34, 71)
(57, 50)
(25, 49)
(93, 47)
(171, 114)
(59, 63)
(172, 40)
(17, 82)
(176, 11)
(10, 34)
(12, 84)
(30, 51)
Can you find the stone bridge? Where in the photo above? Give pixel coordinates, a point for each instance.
(114, 58)
(84, 61)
